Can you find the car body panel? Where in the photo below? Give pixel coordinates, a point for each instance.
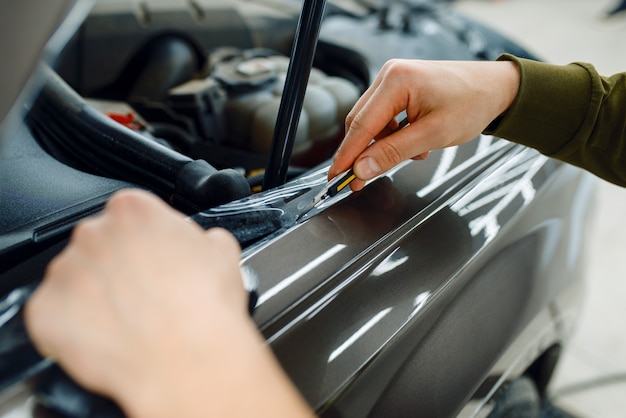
(389, 302)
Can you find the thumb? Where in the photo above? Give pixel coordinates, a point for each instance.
(367, 167)
(385, 153)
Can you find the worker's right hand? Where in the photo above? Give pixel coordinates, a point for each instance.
(447, 103)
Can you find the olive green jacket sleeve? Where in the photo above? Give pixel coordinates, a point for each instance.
(570, 113)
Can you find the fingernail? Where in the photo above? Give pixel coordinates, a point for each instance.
(367, 168)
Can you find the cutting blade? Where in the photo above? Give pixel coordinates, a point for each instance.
(333, 187)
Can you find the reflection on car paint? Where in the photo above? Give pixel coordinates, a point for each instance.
(518, 174)
(419, 302)
(358, 334)
(291, 279)
(389, 264)
(445, 170)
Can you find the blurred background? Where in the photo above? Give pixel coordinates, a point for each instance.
(591, 379)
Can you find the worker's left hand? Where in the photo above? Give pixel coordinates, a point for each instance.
(147, 308)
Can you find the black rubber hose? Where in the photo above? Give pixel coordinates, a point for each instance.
(81, 136)
(99, 143)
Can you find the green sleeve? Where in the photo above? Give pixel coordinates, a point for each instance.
(570, 113)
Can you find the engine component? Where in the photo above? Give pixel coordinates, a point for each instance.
(74, 132)
(235, 105)
(203, 102)
(254, 81)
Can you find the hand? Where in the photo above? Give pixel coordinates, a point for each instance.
(447, 103)
(147, 308)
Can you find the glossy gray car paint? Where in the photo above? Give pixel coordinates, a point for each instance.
(410, 295)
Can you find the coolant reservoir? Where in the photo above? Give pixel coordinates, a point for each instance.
(255, 84)
(262, 128)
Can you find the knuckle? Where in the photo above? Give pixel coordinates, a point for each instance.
(360, 125)
(395, 66)
(392, 64)
(131, 207)
(122, 201)
(84, 230)
(55, 265)
(33, 314)
(222, 237)
(390, 154)
(349, 119)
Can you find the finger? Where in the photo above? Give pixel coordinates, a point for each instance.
(222, 238)
(48, 303)
(414, 140)
(365, 97)
(391, 127)
(373, 120)
(55, 323)
(422, 156)
(225, 248)
(357, 185)
(37, 323)
(357, 138)
(383, 78)
(372, 116)
(135, 205)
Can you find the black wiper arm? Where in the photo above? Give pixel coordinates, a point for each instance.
(302, 53)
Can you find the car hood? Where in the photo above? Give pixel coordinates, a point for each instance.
(31, 33)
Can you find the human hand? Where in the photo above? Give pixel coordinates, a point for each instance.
(147, 308)
(447, 103)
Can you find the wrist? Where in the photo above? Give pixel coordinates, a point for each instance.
(508, 83)
(506, 88)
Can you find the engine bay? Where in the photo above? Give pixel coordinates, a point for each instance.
(202, 142)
